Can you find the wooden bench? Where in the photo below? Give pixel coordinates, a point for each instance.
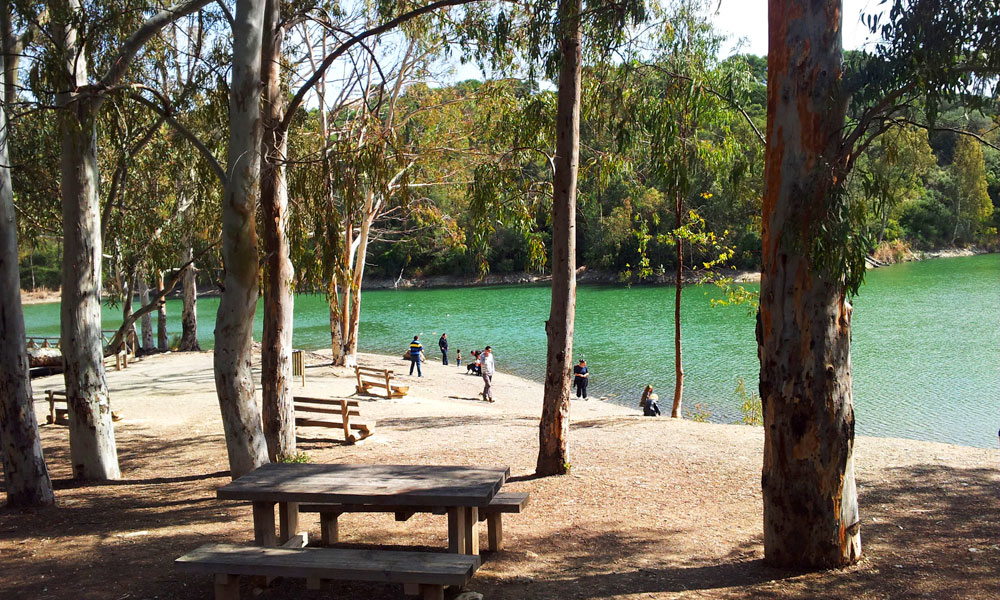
(58, 416)
(502, 502)
(423, 573)
(344, 409)
(370, 377)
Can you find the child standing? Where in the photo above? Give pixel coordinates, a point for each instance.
(458, 357)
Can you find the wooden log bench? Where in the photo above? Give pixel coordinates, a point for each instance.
(58, 416)
(502, 502)
(424, 573)
(341, 412)
(370, 377)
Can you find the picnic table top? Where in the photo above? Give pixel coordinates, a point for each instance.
(398, 485)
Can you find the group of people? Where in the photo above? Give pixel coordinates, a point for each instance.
(483, 364)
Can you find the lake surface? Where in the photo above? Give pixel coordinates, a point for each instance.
(926, 347)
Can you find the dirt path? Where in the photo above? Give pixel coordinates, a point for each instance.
(653, 508)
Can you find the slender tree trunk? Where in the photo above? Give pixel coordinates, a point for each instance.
(129, 290)
(553, 452)
(189, 312)
(147, 320)
(675, 412)
(357, 276)
(241, 418)
(162, 343)
(336, 325)
(26, 478)
(92, 439)
(804, 323)
(276, 348)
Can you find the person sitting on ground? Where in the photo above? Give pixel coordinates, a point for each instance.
(648, 402)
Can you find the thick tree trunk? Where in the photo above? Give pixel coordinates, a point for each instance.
(26, 479)
(91, 433)
(189, 311)
(162, 343)
(553, 452)
(675, 412)
(147, 320)
(276, 348)
(234, 323)
(804, 324)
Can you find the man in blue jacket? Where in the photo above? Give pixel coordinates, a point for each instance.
(443, 345)
(416, 351)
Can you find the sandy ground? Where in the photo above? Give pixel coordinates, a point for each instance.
(653, 508)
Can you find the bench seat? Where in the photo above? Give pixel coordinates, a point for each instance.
(424, 572)
(344, 409)
(370, 377)
(502, 502)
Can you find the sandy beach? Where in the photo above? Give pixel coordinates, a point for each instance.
(653, 508)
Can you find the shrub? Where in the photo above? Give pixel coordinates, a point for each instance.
(751, 410)
(699, 414)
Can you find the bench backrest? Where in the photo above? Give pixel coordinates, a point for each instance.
(330, 401)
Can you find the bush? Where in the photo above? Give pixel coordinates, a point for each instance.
(893, 252)
(751, 410)
(925, 222)
(699, 414)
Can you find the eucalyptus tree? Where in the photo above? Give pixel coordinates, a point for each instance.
(26, 477)
(814, 245)
(78, 100)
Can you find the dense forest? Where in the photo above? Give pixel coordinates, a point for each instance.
(465, 172)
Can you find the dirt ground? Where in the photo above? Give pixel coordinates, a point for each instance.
(653, 508)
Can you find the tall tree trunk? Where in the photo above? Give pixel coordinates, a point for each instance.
(553, 452)
(189, 311)
(357, 276)
(804, 323)
(276, 347)
(147, 320)
(241, 417)
(336, 324)
(91, 433)
(675, 412)
(162, 343)
(128, 289)
(26, 478)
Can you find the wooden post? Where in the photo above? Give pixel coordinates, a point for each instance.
(411, 589)
(298, 365)
(263, 524)
(330, 530)
(431, 592)
(456, 529)
(357, 373)
(52, 406)
(388, 386)
(472, 530)
(227, 587)
(288, 520)
(494, 525)
(345, 415)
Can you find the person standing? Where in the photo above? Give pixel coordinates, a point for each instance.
(443, 345)
(486, 369)
(416, 352)
(581, 375)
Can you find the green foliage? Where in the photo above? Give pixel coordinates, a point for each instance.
(973, 205)
(751, 410)
(700, 413)
(299, 458)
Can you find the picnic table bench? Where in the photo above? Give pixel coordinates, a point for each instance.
(426, 573)
(502, 502)
(344, 409)
(58, 416)
(370, 377)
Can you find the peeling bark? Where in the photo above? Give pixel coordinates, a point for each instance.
(276, 347)
(675, 412)
(26, 478)
(804, 324)
(553, 450)
(147, 320)
(241, 417)
(189, 311)
(162, 343)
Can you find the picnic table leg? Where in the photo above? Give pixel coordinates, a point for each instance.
(472, 530)
(263, 524)
(288, 520)
(431, 592)
(329, 528)
(495, 526)
(457, 529)
(227, 587)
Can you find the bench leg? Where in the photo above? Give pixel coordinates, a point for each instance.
(227, 587)
(456, 529)
(411, 589)
(431, 592)
(263, 524)
(329, 528)
(494, 524)
(288, 517)
(314, 583)
(472, 531)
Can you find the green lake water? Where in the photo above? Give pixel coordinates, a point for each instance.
(926, 347)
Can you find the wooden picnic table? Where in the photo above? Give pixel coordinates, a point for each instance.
(458, 490)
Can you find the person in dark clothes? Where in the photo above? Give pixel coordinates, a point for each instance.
(443, 345)
(416, 352)
(648, 402)
(581, 376)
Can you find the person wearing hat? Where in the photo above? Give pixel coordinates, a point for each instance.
(580, 378)
(648, 402)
